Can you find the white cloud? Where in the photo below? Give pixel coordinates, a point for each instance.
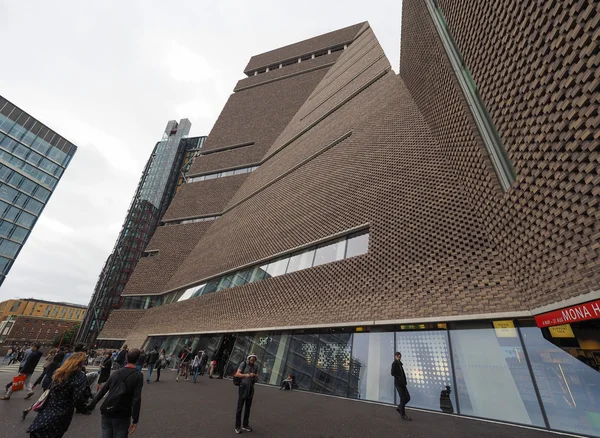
(53, 225)
(185, 65)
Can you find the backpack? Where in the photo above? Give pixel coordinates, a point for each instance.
(115, 395)
(237, 381)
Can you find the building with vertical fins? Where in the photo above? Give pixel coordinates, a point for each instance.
(33, 159)
(340, 212)
(164, 172)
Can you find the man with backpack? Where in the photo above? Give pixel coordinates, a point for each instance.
(121, 408)
(244, 378)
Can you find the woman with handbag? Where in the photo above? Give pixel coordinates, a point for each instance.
(67, 391)
(46, 377)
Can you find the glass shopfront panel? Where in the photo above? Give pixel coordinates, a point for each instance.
(332, 366)
(372, 356)
(301, 359)
(426, 360)
(565, 363)
(493, 378)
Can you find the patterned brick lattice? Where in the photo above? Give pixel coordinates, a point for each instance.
(537, 67)
(173, 244)
(444, 239)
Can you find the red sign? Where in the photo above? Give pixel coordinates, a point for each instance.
(567, 315)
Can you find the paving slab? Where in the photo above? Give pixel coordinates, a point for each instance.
(207, 409)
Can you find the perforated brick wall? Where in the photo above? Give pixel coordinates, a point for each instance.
(536, 65)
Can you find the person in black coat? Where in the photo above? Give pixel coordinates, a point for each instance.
(68, 391)
(27, 368)
(105, 367)
(400, 385)
(46, 377)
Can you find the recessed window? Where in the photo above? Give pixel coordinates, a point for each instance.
(358, 244)
(301, 261)
(277, 267)
(330, 252)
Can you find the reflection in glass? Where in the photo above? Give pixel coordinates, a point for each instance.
(301, 359)
(330, 252)
(569, 387)
(426, 360)
(493, 377)
(357, 244)
(301, 261)
(332, 372)
(372, 355)
(277, 267)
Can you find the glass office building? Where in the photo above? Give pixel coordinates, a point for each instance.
(163, 172)
(33, 158)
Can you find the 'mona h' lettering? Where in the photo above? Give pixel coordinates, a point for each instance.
(576, 313)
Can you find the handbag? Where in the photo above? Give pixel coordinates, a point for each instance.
(39, 404)
(18, 382)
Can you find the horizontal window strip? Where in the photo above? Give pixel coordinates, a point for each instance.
(291, 75)
(192, 220)
(296, 167)
(341, 247)
(226, 148)
(222, 174)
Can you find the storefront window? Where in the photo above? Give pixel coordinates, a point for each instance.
(567, 375)
(301, 359)
(372, 356)
(332, 371)
(492, 375)
(426, 360)
(274, 359)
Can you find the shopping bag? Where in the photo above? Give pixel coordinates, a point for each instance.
(38, 405)
(18, 382)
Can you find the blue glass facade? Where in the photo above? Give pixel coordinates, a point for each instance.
(33, 158)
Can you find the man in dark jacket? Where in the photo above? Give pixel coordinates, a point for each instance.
(121, 357)
(27, 367)
(120, 417)
(152, 359)
(400, 384)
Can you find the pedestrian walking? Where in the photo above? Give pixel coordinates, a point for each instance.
(141, 361)
(400, 385)
(246, 375)
(152, 361)
(105, 367)
(121, 358)
(67, 391)
(161, 363)
(121, 408)
(9, 355)
(213, 367)
(46, 377)
(27, 368)
(203, 362)
(196, 365)
(184, 367)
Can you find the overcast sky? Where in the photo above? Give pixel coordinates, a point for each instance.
(108, 75)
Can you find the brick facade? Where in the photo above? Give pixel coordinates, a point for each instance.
(353, 144)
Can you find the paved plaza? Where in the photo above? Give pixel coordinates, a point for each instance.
(207, 409)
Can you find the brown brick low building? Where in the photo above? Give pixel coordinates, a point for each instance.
(449, 212)
(29, 329)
